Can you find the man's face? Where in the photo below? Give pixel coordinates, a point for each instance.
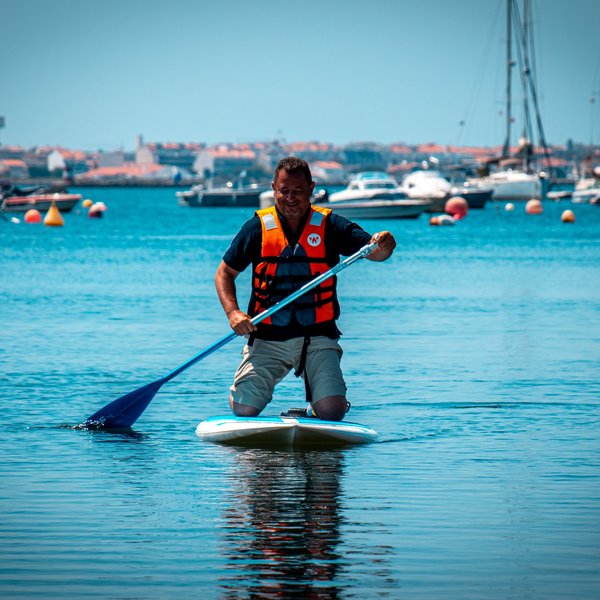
(292, 194)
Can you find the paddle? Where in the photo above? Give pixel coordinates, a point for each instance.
(124, 411)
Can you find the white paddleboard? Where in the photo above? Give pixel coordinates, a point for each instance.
(283, 431)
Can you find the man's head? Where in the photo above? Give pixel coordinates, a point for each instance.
(293, 164)
(293, 187)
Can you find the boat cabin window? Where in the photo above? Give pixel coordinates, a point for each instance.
(388, 185)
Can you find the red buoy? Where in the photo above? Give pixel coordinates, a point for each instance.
(33, 216)
(457, 207)
(534, 207)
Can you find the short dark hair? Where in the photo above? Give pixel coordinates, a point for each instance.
(293, 164)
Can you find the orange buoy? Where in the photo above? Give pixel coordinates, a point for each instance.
(568, 216)
(86, 203)
(534, 207)
(434, 221)
(33, 216)
(53, 217)
(457, 207)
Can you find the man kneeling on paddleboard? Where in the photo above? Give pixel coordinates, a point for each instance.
(288, 245)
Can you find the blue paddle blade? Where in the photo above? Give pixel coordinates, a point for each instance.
(124, 411)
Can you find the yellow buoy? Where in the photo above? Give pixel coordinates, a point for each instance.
(53, 217)
(87, 203)
(568, 216)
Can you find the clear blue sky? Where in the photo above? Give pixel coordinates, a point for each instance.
(92, 75)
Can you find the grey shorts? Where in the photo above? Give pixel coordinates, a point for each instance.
(266, 363)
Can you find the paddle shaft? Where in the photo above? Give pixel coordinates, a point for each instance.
(364, 251)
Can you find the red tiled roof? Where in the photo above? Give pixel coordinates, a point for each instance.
(125, 170)
(310, 146)
(431, 148)
(73, 154)
(223, 152)
(328, 164)
(13, 162)
(400, 149)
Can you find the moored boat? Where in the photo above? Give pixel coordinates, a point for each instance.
(476, 196)
(512, 185)
(370, 185)
(64, 202)
(434, 186)
(429, 185)
(406, 208)
(525, 172)
(198, 195)
(374, 195)
(587, 191)
(369, 195)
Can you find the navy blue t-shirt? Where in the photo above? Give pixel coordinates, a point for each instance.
(343, 238)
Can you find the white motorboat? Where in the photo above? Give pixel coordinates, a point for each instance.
(434, 186)
(512, 185)
(370, 185)
(428, 185)
(587, 191)
(370, 195)
(374, 195)
(378, 209)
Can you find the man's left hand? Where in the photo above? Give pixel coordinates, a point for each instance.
(385, 246)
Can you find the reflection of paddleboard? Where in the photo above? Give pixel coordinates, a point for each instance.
(283, 431)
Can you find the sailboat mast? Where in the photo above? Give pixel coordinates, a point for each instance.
(509, 64)
(527, 50)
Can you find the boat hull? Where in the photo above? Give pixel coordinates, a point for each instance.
(377, 209)
(41, 202)
(246, 198)
(514, 186)
(476, 198)
(591, 196)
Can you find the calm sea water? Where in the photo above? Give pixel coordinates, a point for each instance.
(474, 352)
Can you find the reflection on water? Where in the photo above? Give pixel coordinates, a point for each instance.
(282, 526)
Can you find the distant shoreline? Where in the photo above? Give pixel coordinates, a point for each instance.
(120, 182)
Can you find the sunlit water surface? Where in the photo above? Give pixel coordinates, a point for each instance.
(474, 352)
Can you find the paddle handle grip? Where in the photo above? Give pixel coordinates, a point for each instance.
(364, 251)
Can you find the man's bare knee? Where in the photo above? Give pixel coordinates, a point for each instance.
(243, 410)
(330, 408)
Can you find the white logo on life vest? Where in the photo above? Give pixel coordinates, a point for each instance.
(314, 239)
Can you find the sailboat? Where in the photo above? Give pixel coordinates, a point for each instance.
(517, 176)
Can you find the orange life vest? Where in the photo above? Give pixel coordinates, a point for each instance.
(283, 269)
